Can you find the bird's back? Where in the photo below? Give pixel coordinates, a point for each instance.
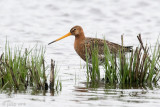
(99, 44)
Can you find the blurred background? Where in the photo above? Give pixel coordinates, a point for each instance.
(32, 21)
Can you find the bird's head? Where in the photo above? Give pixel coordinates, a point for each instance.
(76, 31)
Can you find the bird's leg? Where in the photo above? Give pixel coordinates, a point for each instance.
(90, 69)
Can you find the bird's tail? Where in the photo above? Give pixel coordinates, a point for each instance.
(128, 48)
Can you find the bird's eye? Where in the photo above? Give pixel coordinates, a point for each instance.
(73, 29)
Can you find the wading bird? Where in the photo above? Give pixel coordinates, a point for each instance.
(84, 44)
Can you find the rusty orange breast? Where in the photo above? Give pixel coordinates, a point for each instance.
(79, 46)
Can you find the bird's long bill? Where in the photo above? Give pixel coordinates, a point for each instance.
(66, 35)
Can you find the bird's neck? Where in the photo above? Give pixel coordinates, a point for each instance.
(78, 40)
(78, 43)
(79, 37)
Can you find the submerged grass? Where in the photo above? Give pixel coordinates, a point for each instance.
(140, 67)
(21, 69)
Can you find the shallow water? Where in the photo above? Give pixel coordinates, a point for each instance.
(30, 21)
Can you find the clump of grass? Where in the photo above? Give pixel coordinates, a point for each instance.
(93, 72)
(136, 68)
(22, 69)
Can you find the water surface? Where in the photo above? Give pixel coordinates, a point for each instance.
(29, 22)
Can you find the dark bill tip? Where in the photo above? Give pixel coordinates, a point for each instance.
(51, 42)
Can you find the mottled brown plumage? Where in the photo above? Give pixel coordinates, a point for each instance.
(82, 43)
